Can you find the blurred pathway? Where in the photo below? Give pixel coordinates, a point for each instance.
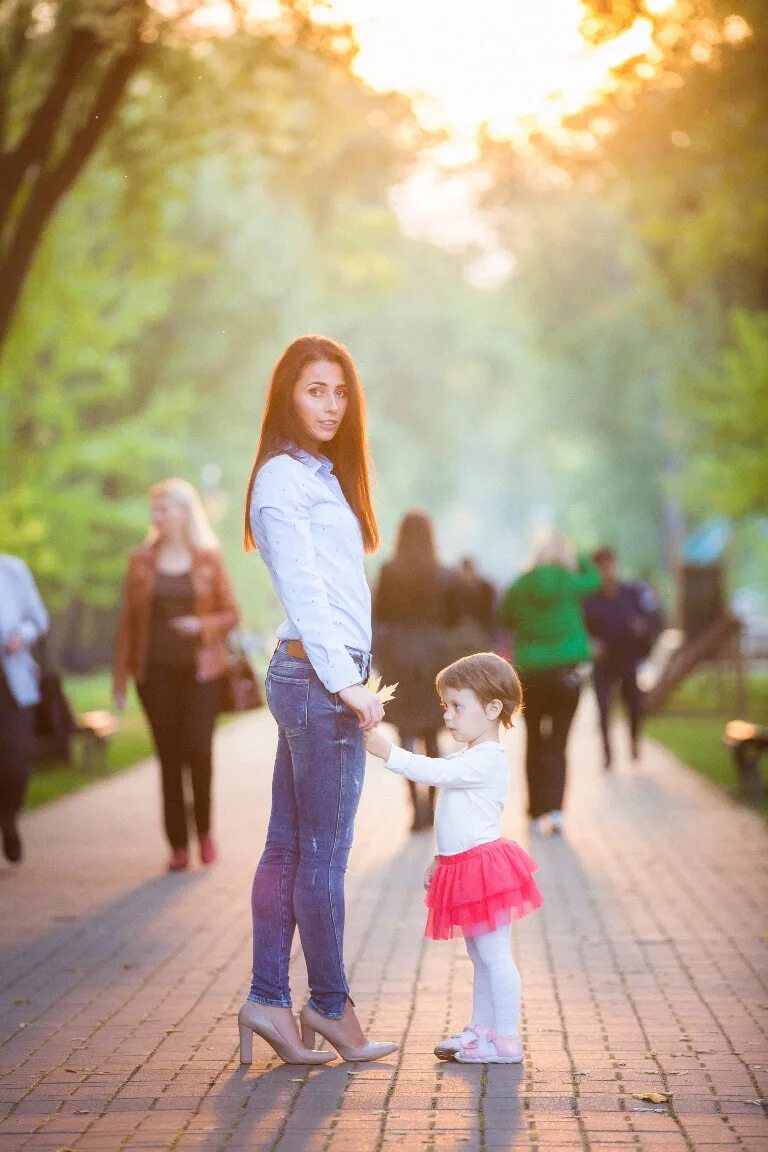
(645, 971)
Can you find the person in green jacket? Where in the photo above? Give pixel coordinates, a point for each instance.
(543, 608)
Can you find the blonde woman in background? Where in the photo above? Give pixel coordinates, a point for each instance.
(543, 608)
(178, 606)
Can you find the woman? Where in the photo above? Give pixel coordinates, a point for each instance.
(23, 620)
(308, 510)
(411, 612)
(543, 608)
(178, 606)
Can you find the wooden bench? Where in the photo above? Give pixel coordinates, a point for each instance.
(94, 731)
(747, 742)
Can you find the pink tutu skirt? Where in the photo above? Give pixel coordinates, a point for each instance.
(479, 890)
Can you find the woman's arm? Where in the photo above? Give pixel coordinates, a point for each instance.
(489, 603)
(507, 611)
(121, 658)
(34, 622)
(586, 578)
(284, 510)
(214, 625)
(382, 599)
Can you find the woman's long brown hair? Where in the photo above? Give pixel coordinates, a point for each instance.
(415, 561)
(282, 431)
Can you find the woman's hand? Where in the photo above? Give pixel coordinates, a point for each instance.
(187, 625)
(377, 744)
(430, 873)
(14, 644)
(367, 707)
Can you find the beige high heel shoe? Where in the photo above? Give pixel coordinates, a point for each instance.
(336, 1032)
(251, 1018)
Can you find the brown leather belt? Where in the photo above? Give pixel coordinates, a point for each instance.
(295, 648)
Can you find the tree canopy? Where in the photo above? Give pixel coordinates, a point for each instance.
(681, 144)
(236, 194)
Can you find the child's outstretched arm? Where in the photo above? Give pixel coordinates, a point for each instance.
(377, 744)
(466, 771)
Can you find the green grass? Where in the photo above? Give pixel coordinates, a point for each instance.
(52, 779)
(692, 726)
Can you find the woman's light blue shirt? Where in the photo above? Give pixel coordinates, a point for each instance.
(312, 545)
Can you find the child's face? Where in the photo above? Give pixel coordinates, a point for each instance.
(466, 718)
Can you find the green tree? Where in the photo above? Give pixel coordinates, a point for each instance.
(684, 144)
(78, 434)
(681, 143)
(67, 67)
(160, 291)
(726, 423)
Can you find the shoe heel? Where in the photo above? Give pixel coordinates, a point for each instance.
(246, 1044)
(308, 1036)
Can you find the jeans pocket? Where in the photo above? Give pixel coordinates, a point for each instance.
(288, 700)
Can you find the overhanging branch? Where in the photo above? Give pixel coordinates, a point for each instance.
(35, 146)
(51, 185)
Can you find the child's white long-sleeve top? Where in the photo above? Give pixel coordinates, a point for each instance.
(473, 790)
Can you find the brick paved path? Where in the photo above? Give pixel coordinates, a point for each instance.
(645, 971)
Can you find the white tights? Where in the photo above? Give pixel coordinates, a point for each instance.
(496, 986)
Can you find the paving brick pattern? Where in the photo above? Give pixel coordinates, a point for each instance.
(645, 971)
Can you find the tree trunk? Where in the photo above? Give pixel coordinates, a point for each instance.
(51, 184)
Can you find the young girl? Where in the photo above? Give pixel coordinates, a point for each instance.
(478, 883)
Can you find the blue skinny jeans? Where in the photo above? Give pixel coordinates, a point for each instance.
(299, 882)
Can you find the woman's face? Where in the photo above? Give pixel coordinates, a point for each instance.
(168, 517)
(321, 397)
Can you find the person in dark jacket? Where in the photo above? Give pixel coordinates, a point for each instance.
(623, 625)
(473, 602)
(411, 613)
(543, 610)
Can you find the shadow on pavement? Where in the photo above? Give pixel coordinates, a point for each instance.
(135, 907)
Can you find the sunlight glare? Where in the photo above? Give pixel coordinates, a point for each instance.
(658, 7)
(493, 62)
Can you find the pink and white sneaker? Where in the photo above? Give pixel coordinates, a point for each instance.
(448, 1048)
(488, 1048)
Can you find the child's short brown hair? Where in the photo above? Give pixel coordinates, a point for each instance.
(490, 678)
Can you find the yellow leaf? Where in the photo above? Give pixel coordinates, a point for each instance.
(387, 693)
(384, 694)
(653, 1097)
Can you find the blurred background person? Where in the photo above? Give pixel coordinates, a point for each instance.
(623, 620)
(178, 607)
(23, 620)
(412, 616)
(543, 608)
(473, 602)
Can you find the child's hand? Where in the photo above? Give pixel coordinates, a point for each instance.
(430, 873)
(377, 744)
